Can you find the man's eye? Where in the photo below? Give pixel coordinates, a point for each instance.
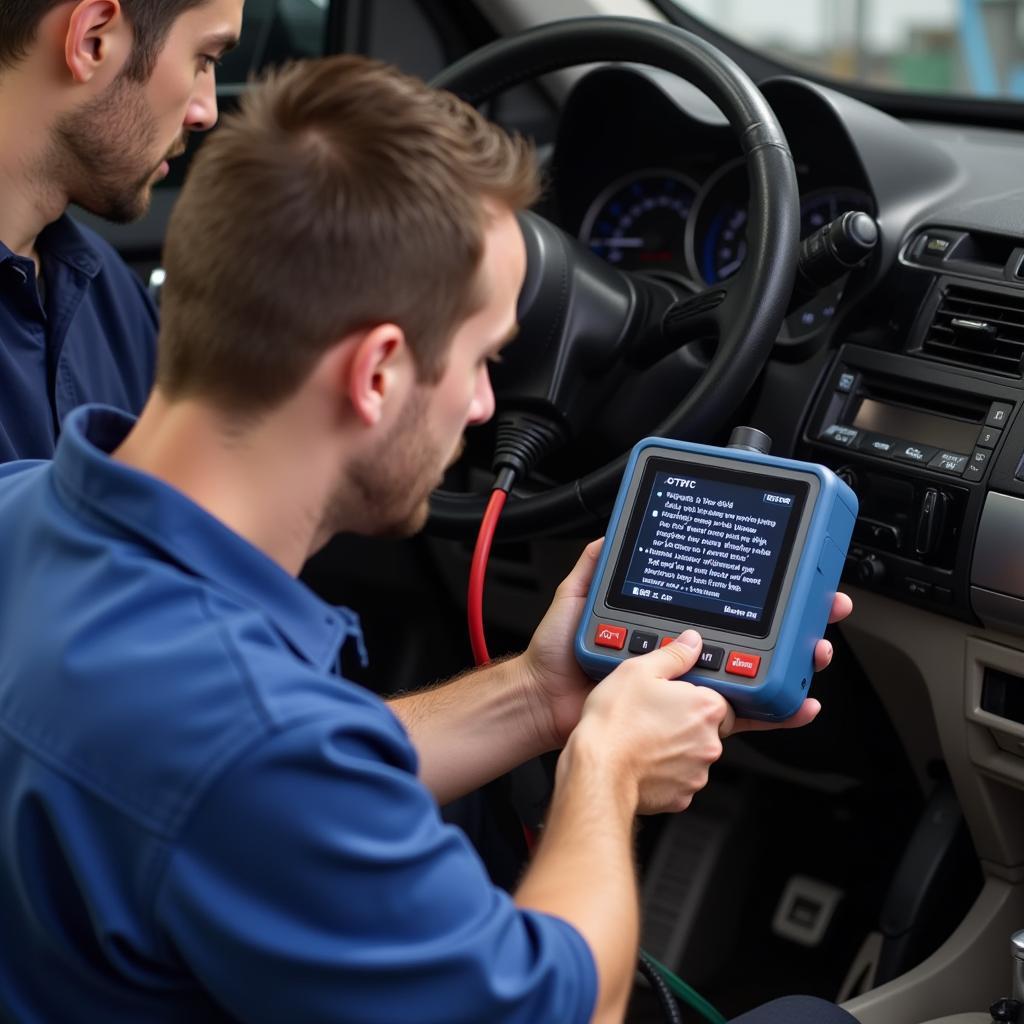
(495, 359)
(208, 63)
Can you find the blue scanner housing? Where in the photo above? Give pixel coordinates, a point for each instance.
(744, 547)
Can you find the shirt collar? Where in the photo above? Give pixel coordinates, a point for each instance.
(64, 240)
(149, 509)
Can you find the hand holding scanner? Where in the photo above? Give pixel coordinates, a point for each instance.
(744, 547)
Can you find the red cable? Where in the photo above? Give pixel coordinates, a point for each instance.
(477, 572)
(475, 600)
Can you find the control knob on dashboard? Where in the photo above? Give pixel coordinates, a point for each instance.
(871, 569)
(847, 475)
(931, 520)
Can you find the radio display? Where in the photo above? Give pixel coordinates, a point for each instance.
(708, 545)
(911, 425)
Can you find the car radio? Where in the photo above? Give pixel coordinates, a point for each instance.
(919, 443)
(952, 435)
(744, 547)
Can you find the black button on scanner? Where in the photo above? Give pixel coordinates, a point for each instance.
(711, 658)
(641, 643)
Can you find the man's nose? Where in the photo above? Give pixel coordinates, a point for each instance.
(482, 408)
(201, 115)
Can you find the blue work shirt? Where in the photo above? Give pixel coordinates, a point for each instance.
(200, 820)
(93, 340)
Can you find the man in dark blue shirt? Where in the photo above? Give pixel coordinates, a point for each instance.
(95, 98)
(202, 820)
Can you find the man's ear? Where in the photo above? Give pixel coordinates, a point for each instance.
(379, 373)
(98, 40)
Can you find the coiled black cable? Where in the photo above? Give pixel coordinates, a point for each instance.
(666, 1000)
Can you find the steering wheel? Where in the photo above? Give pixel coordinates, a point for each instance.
(581, 320)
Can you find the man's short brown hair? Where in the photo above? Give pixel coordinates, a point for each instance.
(150, 20)
(343, 194)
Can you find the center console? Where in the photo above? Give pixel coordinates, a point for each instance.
(934, 454)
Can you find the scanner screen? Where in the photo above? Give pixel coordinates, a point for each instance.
(708, 545)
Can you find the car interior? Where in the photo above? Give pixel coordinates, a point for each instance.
(676, 287)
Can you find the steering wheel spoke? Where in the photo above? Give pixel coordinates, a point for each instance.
(686, 320)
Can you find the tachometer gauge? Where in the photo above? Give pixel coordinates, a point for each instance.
(725, 245)
(639, 221)
(718, 227)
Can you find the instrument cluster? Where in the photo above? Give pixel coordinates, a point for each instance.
(660, 220)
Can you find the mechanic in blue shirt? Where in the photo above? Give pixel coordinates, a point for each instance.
(201, 820)
(95, 97)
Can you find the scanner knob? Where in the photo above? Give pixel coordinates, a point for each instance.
(871, 569)
(750, 439)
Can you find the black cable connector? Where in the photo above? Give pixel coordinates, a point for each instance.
(523, 440)
(504, 479)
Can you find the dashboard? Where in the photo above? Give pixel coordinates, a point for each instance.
(667, 196)
(660, 220)
(906, 376)
(923, 345)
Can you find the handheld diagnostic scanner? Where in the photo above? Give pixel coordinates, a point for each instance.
(744, 547)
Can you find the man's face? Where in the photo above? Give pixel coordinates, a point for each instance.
(394, 484)
(113, 150)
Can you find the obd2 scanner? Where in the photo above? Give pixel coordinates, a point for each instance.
(742, 546)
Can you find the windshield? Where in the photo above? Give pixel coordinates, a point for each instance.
(965, 47)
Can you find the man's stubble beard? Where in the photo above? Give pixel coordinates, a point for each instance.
(104, 153)
(385, 493)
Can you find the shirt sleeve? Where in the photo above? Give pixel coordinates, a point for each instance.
(316, 881)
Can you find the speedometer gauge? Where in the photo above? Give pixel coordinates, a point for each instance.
(639, 221)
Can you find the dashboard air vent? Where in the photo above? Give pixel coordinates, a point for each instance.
(978, 328)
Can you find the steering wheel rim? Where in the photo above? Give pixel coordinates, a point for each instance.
(759, 294)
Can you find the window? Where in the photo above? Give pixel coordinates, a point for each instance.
(274, 31)
(965, 47)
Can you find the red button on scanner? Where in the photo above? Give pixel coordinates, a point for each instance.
(742, 664)
(610, 636)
